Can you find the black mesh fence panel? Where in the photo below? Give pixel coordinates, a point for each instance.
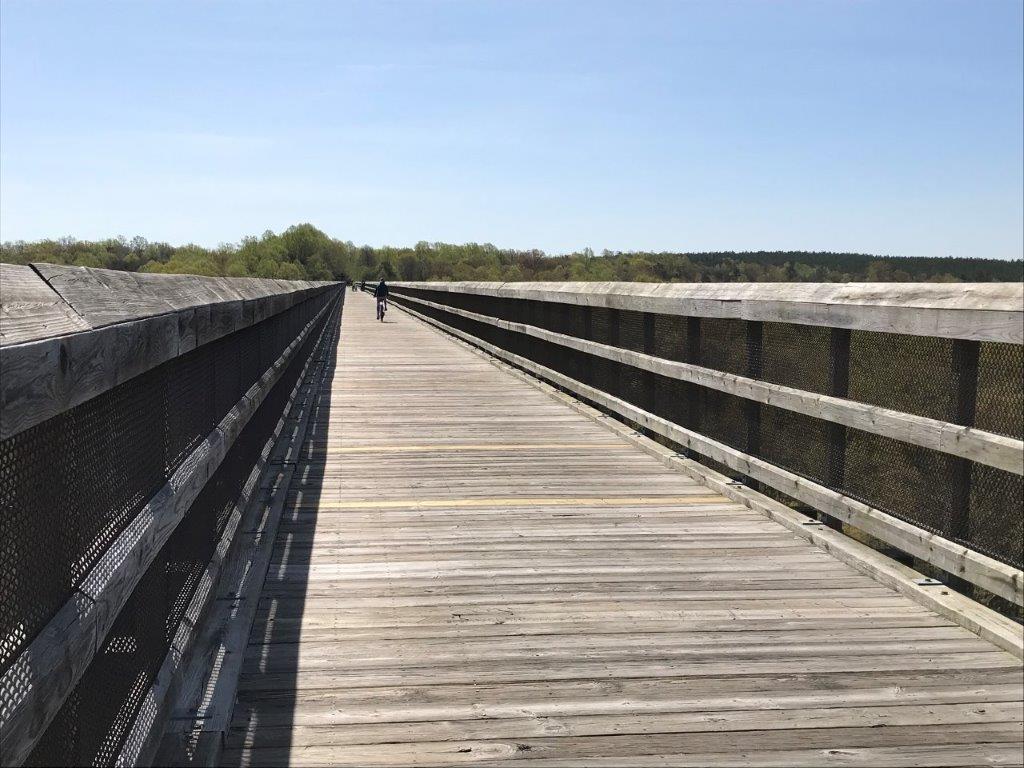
(1000, 403)
(797, 356)
(96, 718)
(967, 502)
(673, 337)
(908, 481)
(68, 487)
(723, 345)
(39, 561)
(995, 524)
(190, 409)
(922, 382)
(794, 441)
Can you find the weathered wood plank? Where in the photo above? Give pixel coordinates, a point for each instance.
(105, 296)
(981, 311)
(30, 309)
(728, 748)
(996, 577)
(661, 694)
(466, 570)
(126, 325)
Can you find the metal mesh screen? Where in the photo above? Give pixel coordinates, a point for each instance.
(1000, 403)
(920, 384)
(798, 356)
(96, 718)
(70, 485)
(970, 383)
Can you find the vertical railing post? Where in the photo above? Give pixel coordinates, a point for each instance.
(838, 386)
(616, 380)
(551, 316)
(554, 315)
(693, 356)
(755, 370)
(965, 367)
(588, 333)
(649, 382)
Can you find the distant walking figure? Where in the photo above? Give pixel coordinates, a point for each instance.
(382, 299)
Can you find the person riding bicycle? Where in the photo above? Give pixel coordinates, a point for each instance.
(381, 293)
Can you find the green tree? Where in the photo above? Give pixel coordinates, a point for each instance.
(305, 252)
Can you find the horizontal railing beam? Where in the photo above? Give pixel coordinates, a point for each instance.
(977, 445)
(979, 311)
(46, 376)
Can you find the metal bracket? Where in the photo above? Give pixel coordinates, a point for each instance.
(928, 582)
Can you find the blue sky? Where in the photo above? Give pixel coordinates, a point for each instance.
(885, 127)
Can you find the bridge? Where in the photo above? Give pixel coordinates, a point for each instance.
(244, 523)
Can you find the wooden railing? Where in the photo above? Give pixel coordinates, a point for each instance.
(136, 413)
(895, 409)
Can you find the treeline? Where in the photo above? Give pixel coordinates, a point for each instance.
(304, 252)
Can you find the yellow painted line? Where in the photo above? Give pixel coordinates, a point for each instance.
(612, 501)
(467, 447)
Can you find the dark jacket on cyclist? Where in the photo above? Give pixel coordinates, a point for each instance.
(382, 290)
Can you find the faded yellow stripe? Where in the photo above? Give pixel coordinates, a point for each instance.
(633, 501)
(467, 447)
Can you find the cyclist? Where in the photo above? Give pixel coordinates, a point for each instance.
(381, 293)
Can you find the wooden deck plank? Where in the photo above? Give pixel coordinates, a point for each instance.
(468, 572)
(743, 747)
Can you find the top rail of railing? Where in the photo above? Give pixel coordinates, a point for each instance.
(40, 301)
(68, 334)
(976, 311)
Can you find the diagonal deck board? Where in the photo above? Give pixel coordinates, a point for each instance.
(469, 572)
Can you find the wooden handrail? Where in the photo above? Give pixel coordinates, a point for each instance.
(978, 445)
(977, 311)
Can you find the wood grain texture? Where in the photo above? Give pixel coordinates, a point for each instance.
(105, 296)
(979, 619)
(982, 311)
(31, 309)
(125, 324)
(990, 574)
(467, 571)
(975, 444)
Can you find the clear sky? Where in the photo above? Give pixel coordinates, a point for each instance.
(885, 126)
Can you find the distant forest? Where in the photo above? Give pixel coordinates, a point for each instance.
(304, 252)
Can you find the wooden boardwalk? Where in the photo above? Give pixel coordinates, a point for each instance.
(468, 571)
